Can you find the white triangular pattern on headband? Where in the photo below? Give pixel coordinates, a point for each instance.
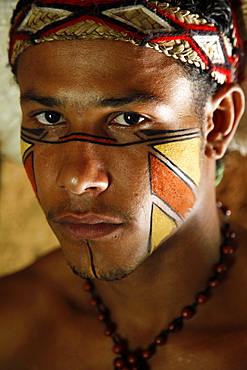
(212, 48)
(86, 29)
(184, 16)
(140, 18)
(37, 18)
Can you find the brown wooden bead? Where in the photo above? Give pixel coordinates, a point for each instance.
(101, 316)
(146, 354)
(132, 359)
(228, 212)
(221, 268)
(88, 287)
(175, 325)
(214, 283)
(188, 312)
(201, 298)
(228, 250)
(119, 363)
(117, 348)
(93, 302)
(160, 341)
(108, 332)
(230, 234)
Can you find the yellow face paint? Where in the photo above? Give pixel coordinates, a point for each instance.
(161, 226)
(182, 154)
(24, 147)
(175, 174)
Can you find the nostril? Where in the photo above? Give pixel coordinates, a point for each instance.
(76, 185)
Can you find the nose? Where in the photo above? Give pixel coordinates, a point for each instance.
(81, 170)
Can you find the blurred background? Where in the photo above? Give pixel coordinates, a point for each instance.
(25, 235)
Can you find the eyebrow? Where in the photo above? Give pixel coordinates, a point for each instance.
(132, 98)
(31, 95)
(115, 102)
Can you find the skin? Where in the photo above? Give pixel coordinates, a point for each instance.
(51, 320)
(94, 180)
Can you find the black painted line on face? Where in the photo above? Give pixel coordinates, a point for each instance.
(149, 133)
(177, 136)
(34, 131)
(92, 261)
(174, 168)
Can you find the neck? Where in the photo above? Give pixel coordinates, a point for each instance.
(167, 281)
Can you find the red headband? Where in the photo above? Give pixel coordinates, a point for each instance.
(171, 30)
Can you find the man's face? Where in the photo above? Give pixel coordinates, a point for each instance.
(111, 143)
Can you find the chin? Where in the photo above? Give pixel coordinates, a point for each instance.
(97, 261)
(116, 273)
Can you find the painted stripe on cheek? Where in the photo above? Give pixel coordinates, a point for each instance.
(181, 154)
(24, 147)
(161, 226)
(30, 171)
(170, 188)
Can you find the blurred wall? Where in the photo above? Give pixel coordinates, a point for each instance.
(25, 234)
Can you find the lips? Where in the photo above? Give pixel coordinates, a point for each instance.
(89, 226)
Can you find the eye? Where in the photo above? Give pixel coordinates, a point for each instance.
(49, 118)
(129, 119)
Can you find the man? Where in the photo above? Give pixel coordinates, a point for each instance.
(126, 108)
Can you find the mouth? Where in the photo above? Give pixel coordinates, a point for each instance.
(90, 226)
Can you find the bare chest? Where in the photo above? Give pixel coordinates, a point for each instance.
(66, 348)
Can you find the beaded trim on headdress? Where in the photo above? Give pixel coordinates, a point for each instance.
(173, 31)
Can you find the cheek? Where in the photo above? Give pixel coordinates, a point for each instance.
(175, 174)
(156, 183)
(28, 161)
(39, 166)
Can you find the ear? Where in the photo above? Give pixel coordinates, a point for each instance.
(223, 114)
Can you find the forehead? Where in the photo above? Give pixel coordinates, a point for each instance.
(94, 67)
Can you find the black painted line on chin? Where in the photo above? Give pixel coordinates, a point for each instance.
(92, 260)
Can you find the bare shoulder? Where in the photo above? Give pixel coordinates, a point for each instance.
(19, 285)
(48, 278)
(46, 318)
(32, 299)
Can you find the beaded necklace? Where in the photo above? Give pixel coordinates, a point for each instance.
(137, 360)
